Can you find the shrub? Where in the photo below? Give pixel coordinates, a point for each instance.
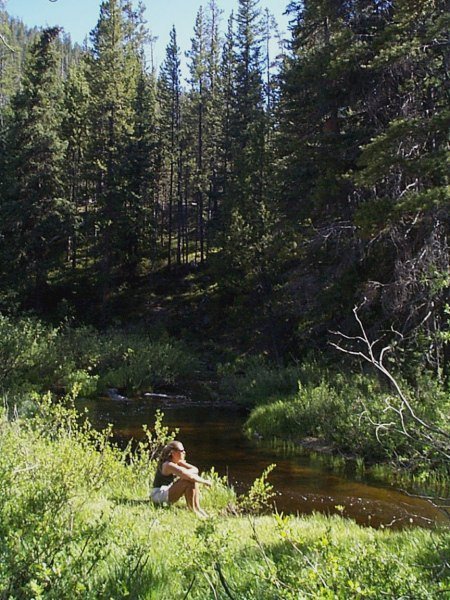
(47, 547)
(138, 363)
(252, 381)
(258, 498)
(37, 357)
(27, 353)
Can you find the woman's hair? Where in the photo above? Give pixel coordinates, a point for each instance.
(166, 452)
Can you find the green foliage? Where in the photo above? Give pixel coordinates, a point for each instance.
(252, 380)
(139, 363)
(348, 568)
(27, 351)
(258, 498)
(48, 464)
(324, 558)
(344, 411)
(220, 495)
(56, 477)
(36, 215)
(40, 357)
(338, 418)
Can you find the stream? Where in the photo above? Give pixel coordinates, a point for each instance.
(213, 437)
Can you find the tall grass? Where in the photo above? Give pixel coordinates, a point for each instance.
(308, 400)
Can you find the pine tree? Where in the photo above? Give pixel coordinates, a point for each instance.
(402, 176)
(203, 114)
(323, 119)
(7, 53)
(142, 158)
(144, 173)
(36, 216)
(77, 133)
(114, 68)
(245, 210)
(322, 122)
(361, 142)
(197, 101)
(215, 103)
(227, 92)
(169, 97)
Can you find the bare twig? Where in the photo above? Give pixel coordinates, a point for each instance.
(223, 581)
(25, 469)
(278, 583)
(189, 588)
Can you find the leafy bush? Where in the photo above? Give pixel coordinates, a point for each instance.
(47, 467)
(27, 353)
(34, 356)
(135, 362)
(252, 381)
(344, 411)
(258, 498)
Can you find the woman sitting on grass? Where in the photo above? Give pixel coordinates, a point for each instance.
(175, 478)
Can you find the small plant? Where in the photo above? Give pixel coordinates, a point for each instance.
(258, 498)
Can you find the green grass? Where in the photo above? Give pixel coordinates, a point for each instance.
(342, 410)
(76, 522)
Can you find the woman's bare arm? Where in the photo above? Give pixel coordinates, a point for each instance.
(170, 468)
(186, 465)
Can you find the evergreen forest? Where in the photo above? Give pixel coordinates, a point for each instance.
(260, 219)
(282, 189)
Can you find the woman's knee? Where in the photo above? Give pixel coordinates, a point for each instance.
(185, 485)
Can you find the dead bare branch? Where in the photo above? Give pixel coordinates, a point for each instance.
(5, 43)
(25, 469)
(408, 422)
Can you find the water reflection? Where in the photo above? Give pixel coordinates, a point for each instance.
(213, 437)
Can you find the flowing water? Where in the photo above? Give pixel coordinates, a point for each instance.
(213, 437)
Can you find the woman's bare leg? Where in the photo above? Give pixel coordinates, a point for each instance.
(197, 502)
(189, 494)
(190, 491)
(182, 487)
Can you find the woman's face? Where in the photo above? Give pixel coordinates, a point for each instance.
(178, 453)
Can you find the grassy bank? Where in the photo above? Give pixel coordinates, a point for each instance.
(353, 414)
(75, 522)
(338, 407)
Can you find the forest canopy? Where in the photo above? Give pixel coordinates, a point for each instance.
(283, 188)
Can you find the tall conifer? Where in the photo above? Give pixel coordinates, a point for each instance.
(169, 97)
(114, 67)
(36, 216)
